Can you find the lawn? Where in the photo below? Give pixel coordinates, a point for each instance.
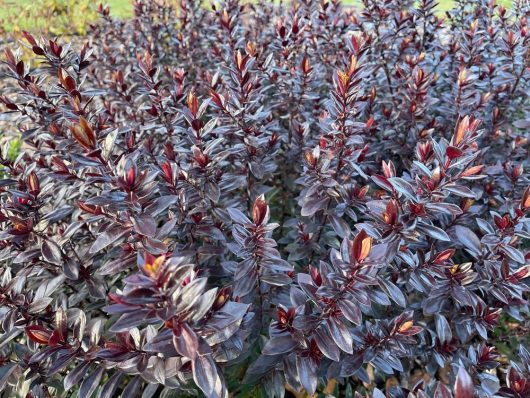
(123, 8)
(120, 8)
(24, 14)
(443, 5)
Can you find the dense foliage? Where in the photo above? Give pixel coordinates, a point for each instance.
(248, 199)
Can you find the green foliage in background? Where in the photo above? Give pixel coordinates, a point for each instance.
(49, 17)
(9, 149)
(73, 16)
(443, 5)
(56, 17)
(14, 148)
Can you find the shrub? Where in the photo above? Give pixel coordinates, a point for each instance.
(246, 199)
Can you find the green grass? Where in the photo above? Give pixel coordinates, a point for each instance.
(443, 5)
(9, 10)
(120, 8)
(123, 8)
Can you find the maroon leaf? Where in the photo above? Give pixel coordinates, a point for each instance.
(361, 246)
(38, 334)
(453, 152)
(260, 211)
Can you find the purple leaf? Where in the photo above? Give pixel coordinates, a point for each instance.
(460, 190)
(186, 341)
(90, 384)
(513, 253)
(340, 226)
(326, 344)
(205, 374)
(51, 252)
(238, 217)
(111, 385)
(403, 187)
(464, 387)
(433, 232)
(144, 224)
(442, 391)
(351, 311)
(132, 387)
(443, 328)
(393, 292)
(130, 320)
(340, 334)
(468, 238)
(107, 238)
(279, 345)
(307, 374)
(313, 205)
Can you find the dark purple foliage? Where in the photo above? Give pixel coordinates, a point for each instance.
(249, 199)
